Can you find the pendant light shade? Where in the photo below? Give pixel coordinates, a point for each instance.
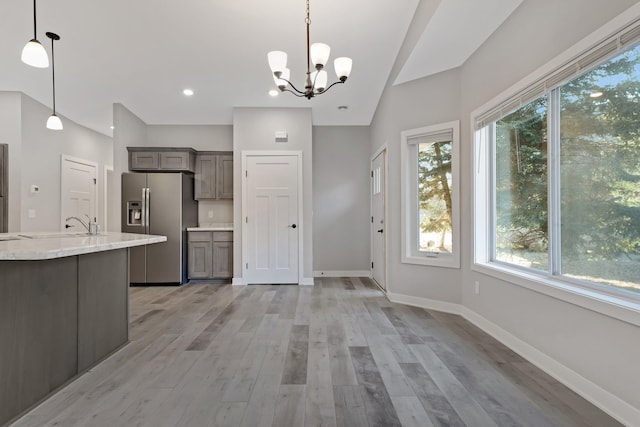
(33, 52)
(54, 121)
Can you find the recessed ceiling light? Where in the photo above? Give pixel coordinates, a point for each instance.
(595, 94)
(273, 92)
(187, 92)
(343, 107)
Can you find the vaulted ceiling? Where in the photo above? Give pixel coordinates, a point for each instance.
(143, 53)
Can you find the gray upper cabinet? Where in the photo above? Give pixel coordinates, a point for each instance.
(214, 176)
(161, 159)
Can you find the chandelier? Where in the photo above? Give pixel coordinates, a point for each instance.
(316, 82)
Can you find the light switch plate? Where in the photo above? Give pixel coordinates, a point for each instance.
(31, 213)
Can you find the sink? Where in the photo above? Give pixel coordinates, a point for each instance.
(54, 235)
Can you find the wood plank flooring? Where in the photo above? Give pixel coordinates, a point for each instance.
(335, 354)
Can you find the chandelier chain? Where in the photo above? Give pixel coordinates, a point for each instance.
(307, 20)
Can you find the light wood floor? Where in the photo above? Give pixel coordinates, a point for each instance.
(336, 354)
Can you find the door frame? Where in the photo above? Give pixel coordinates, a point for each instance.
(245, 206)
(383, 148)
(64, 158)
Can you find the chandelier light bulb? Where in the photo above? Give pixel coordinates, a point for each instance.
(343, 67)
(277, 61)
(281, 81)
(320, 54)
(319, 79)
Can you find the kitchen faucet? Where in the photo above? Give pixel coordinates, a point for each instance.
(90, 226)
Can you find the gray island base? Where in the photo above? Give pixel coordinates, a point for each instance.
(64, 307)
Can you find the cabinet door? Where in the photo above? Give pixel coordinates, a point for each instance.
(143, 160)
(222, 260)
(225, 177)
(174, 160)
(199, 260)
(205, 177)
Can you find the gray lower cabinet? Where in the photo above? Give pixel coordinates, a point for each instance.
(214, 176)
(210, 255)
(58, 318)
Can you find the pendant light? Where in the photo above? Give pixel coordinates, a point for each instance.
(33, 52)
(54, 121)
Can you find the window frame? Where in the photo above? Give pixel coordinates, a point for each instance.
(608, 300)
(409, 198)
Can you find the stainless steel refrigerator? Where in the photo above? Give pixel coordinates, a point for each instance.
(158, 203)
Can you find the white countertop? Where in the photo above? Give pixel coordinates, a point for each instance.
(212, 227)
(49, 245)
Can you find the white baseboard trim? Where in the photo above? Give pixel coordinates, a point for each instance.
(307, 281)
(429, 304)
(338, 273)
(237, 281)
(609, 403)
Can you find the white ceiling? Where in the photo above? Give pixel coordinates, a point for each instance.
(142, 53)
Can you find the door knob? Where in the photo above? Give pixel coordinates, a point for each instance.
(380, 231)
(293, 226)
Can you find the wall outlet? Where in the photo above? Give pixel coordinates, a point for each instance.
(477, 287)
(210, 214)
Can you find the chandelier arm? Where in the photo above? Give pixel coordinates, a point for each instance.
(294, 88)
(298, 94)
(330, 86)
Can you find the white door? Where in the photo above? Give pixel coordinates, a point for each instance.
(378, 230)
(271, 219)
(78, 191)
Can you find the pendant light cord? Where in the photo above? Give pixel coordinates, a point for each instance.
(53, 72)
(35, 33)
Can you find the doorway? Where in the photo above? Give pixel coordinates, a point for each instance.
(78, 190)
(378, 219)
(271, 212)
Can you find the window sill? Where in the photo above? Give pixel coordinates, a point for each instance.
(446, 261)
(619, 308)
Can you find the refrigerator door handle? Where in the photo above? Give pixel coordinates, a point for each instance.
(144, 210)
(148, 208)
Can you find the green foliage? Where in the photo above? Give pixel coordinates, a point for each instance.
(434, 192)
(599, 167)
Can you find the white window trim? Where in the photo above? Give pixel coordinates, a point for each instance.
(409, 199)
(622, 307)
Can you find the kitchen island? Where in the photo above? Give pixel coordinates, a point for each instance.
(63, 308)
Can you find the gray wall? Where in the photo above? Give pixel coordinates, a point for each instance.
(34, 158)
(129, 131)
(11, 133)
(341, 203)
(42, 150)
(254, 129)
(595, 352)
(198, 137)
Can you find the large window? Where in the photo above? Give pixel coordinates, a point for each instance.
(562, 177)
(430, 198)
